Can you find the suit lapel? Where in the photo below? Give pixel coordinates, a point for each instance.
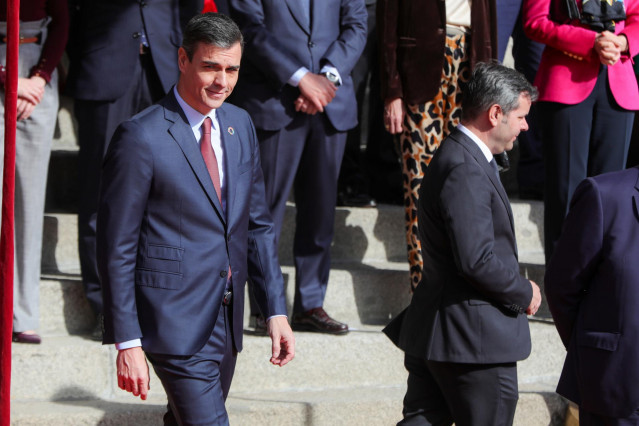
(474, 150)
(295, 6)
(231, 156)
(183, 136)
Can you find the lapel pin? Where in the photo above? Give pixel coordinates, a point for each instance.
(231, 131)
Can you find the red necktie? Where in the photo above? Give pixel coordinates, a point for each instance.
(209, 156)
(211, 162)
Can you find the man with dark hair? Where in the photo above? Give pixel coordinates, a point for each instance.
(182, 223)
(465, 328)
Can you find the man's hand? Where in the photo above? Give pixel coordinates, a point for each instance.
(133, 372)
(394, 112)
(303, 104)
(283, 340)
(31, 89)
(317, 89)
(536, 299)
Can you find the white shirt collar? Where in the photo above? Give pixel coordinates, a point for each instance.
(484, 149)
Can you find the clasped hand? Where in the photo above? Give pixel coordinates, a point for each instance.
(316, 92)
(609, 47)
(30, 93)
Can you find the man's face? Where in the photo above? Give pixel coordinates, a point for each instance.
(511, 124)
(209, 78)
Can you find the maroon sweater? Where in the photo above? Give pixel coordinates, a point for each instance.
(58, 31)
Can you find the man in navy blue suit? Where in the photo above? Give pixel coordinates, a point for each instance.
(592, 287)
(182, 223)
(122, 61)
(296, 85)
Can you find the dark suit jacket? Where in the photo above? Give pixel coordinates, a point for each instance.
(105, 43)
(164, 243)
(469, 306)
(279, 41)
(411, 35)
(592, 287)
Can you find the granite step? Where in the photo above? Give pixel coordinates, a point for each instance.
(354, 406)
(74, 367)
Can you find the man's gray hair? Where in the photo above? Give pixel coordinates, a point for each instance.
(492, 83)
(214, 29)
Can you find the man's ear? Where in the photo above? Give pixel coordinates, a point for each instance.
(182, 58)
(495, 114)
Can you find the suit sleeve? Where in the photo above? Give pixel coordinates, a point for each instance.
(466, 207)
(263, 264)
(261, 47)
(344, 52)
(387, 16)
(125, 184)
(565, 37)
(575, 258)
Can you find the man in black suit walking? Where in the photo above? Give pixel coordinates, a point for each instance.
(466, 328)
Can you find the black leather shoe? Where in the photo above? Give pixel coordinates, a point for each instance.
(317, 320)
(352, 199)
(32, 338)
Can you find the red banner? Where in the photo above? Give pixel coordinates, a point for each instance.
(6, 231)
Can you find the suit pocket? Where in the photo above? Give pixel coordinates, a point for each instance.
(599, 340)
(476, 302)
(162, 259)
(157, 279)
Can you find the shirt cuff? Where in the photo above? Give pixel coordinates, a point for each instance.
(128, 344)
(275, 316)
(297, 76)
(331, 69)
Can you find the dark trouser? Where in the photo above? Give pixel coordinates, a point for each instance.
(378, 172)
(198, 385)
(307, 154)
(591, 419)
(581, 140)
(97, 121)
(443, 393)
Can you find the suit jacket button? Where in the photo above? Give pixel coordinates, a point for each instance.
(311, 44)
(223, 274)
(136, 35)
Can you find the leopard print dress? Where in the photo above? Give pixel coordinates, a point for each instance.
(425, 126)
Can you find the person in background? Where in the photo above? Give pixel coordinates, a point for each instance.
(587, 94)
(372, 175)
(122, 61)
(296, 84)
(591, 287)
(44, 28)
(526, 54)
(427, 50)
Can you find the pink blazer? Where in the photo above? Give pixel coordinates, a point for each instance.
(569, 65)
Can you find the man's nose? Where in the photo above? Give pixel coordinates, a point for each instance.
(220, 79)
(524, 126)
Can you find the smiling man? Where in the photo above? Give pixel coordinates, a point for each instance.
(466, 327)
(182, 223)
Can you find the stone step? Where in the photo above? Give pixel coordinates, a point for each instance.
(358, 294)
(75, 368)
(361, 235)
(365, 406)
